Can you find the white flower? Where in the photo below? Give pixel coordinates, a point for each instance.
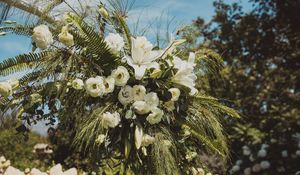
(247, 171)
(35, 171)
(120, 75)
(71, 171)
(264, 146)
(139, 92)
(175, 94)
(265, 164)
(262, 153)
(77, 84)
(65, 37)
(101, 138)
(256, 168)
(198, 171)
(185, 75)
(56, 170)
(142, 56)
(147, 140)
(138, 137)
(190, 155)
(155, 116)
(125, 95)
(141, 107)
(235, 168)
(246, 151)
(238, 162)
(284, 153)
(42, 36)
(14, 83)
(13, 171)
(110, 120)
(115, 42)
(5, 89)
(109, 84)
(95, 86)
(152, 100)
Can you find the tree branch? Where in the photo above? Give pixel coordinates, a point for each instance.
(29, 9)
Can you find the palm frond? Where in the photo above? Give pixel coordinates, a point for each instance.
(18, 30)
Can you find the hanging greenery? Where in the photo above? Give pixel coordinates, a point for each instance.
(135, 108)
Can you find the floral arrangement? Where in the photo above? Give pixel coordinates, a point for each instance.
(135, 108)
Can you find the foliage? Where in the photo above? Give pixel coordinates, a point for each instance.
(261, 50)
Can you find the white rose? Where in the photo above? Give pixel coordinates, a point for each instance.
(247, 171)
(5, 89)
(152, 100)
(42, 36)
(147, 140)
(56, 170)
(284, 153)
(125, 95)
(109, 84)
(262, 153)
(35, 171)
(155, 116)
(101, 138)
(95, 86)
(110, 120)
(141, 107)
(77, 84)
(115, 42)
(65, 37)
(120, 75)
(265, 164)
(256, 168)
(175, 94)
(139, 92)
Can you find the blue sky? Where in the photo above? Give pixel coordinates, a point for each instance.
(182, 12)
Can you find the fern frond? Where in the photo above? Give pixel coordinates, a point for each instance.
(21, 62)
(18, 29)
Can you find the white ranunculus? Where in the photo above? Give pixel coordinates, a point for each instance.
(265, 164)
(141, 107)
(185, 75)
(262, 153)
(139, 92)
(95, 86)
(110, 119)
(147, 140)
(5, 89)
(42, 36)
(65, 37)
(109, 84)
(115, 42)
(121, 76)
(175, 94)
(125, 95)
(155, 116)
(77, 84)
(138, 136)
(152, 100)
(142, 56)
